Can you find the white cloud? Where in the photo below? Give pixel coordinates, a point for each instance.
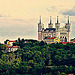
(70, 12)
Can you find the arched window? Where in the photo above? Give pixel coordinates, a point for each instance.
(65, 39)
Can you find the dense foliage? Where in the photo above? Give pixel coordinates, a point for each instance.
(38, 58)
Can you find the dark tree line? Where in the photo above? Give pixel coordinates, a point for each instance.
(38, 58)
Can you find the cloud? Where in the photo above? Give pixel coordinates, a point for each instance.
(18, 27)
(70, 12)
(2, 15)
(20, 20)
(52, 9)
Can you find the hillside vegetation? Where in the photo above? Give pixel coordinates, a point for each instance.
(38, 58)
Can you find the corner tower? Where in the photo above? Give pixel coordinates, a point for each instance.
(40, 29)
(67, 26)
(57, 25)
(50, 25)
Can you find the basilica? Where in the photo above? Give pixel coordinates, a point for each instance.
(54, 34)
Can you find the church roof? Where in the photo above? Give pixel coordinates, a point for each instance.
(49, 37)
(72, 39)
(65, 42)
(12, 41)
(50, 29)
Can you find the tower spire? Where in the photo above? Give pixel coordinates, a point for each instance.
(68, 19)
(50, 20)
(57, 19)
(40, 20)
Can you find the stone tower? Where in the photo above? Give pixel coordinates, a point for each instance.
(40, 28)
(50, 25)
(57, 26)
(67, 26)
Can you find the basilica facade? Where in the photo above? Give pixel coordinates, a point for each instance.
(54, 34)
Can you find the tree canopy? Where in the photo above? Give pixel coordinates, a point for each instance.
(38, 58)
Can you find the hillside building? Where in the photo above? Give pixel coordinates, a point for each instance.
(51, 34)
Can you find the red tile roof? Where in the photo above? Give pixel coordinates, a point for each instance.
(12, 41)
(70, 42)
(15, 46)
(9, 46)
(12, 46)
(70, 74)
(65, 42)
(73, 41)
(50, 37)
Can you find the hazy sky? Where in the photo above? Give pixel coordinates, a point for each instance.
(19, 18)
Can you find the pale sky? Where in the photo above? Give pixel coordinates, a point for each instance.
(19, 18)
